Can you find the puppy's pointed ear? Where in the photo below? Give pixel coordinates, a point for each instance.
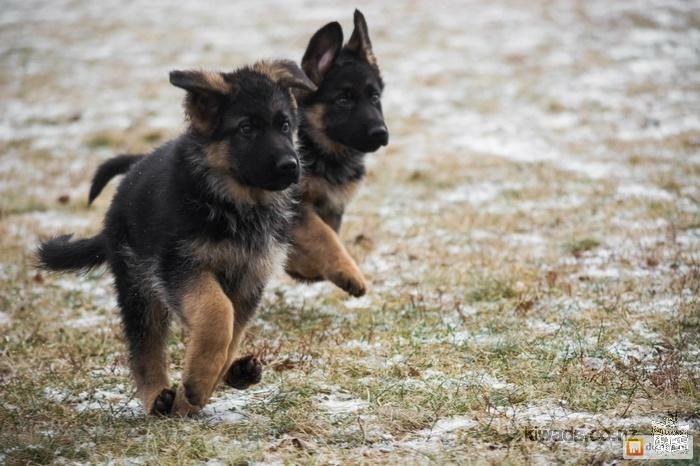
(205, 93)
(286, 73)
(322, 51)
(359, 40)
(200, 81)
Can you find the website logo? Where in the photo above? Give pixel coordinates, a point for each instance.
(634, 447)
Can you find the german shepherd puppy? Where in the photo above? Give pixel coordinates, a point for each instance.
(340, 122)
(196, 228)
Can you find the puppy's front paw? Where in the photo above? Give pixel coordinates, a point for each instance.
(355, 288)
(353, 284)
(187, 401)
(244, 372)
(163, 404)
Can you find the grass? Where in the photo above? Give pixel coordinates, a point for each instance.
(99, 141)
(531, 245)
(579, 246)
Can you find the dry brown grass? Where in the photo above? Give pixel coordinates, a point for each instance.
(531, 236)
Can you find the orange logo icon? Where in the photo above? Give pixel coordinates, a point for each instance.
(634, 447)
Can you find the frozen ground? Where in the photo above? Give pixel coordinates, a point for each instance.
(531, 234)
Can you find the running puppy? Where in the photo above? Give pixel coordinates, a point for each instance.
(197, 227)
(340, 123)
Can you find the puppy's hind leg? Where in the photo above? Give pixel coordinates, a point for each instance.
(146, 325)
(209, 316)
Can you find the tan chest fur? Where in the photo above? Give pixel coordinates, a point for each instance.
(248, 268)
(316, 190)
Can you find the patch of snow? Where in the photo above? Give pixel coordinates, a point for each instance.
(269, 462)
(377, 264)
(566, 202)
(99, 291)
(591, 169)
(361, 344)
(114, 399)
(362, 302)
(433, 374)
(298, 294)
(514, 147)
(644, 191)
(628, 351)
(112, 371)
(596, 272)
(55, 395)
(92, 321)
(689, 237)
(485, 379)
(128, 461)
(224, 410)
(595, 364)
(544, 327)
(567, 306)
(635, 224)
(641, 330)
(452, 424)
(54, 222)
(657, 305)
(453, 319)
(442, 431)
(531, 239)
(340, 403)
(474, 194)
(229, 407)
(551, 414)
(5, 319)
(460, 336)
(394, 360)
(8, 271)
(482, 235)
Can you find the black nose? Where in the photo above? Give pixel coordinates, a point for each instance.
(379, 134)
(288, 164)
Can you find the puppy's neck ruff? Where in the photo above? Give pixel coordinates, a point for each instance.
(209, 162)
(340, 166)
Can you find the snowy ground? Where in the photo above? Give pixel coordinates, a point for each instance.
(531, 234)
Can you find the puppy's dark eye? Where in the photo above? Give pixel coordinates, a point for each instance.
(344, 99)
(374, 98)
(285, 127)
(246, 129)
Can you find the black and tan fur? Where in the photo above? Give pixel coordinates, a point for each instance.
(197, 227)
(340, 122)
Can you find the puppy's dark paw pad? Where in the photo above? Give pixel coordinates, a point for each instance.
(356, 290)
(163, 403)
(353, 284)
(353, 287)
(244, 372)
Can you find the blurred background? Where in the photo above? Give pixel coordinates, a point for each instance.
(531, 233)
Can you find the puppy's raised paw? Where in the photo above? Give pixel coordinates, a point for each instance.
(163, 404)
(244, 372)
(356, 288)
(353, 284)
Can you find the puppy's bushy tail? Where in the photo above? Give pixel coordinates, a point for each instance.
(108, 170)
(64, 254)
